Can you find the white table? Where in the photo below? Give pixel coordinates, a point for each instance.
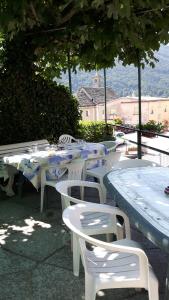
(30, 163)
(140, 193)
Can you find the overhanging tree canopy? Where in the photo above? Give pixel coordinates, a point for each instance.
(96, 31)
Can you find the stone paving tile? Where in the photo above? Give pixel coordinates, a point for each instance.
(47, 274)
(157, 258)
(62, 258)
(30, 200)
(52, 216)
(38, 241)
(50, 282)
(11, 211)
(11, 263)
(16, 286)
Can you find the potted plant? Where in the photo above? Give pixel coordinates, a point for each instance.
(151, 128)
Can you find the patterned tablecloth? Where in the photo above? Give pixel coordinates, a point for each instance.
(30, 163)
(140, 193)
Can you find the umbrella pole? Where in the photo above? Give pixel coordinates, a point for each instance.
(69, 73)
(105, 100)
(139, 154)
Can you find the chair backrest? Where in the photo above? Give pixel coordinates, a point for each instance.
(63, 187)
(66, 139)
(74, 169)
(72, 216)
(134, 163)
(111, 159)
(110, 145)
(164, 159)
(108, 160)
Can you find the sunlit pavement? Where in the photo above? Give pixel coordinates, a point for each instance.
(35, 256)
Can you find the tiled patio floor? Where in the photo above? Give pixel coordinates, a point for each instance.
(35, 256)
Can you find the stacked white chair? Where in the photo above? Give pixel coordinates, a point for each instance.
(110, 145)
(110, 160)
(121, 264)
(74, 171)
(134, 163)
(97, 222)
(66, 139)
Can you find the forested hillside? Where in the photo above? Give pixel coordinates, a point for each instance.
(123, 80)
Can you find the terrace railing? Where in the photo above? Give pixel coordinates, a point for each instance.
(164, 154)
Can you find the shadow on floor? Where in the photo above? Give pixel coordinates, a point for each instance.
(35, 256)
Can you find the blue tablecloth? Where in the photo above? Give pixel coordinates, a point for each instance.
(30, 163)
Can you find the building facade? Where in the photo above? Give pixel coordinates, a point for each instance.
(92, 105)
(92, 100)
(153, 108)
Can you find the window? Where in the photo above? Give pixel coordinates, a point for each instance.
(135, 110)
(165, 110)
(103, 112)
(152, 111)
(87, 113)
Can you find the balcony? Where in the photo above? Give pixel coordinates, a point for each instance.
(36, 260)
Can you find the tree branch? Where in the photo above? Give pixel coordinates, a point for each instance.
(68, 16)
(34, 11)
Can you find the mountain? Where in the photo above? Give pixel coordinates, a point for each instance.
(123, 80)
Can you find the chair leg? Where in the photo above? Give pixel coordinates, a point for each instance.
(109, 237)
(76, 255)
(153, 293)
(71, 241)
(20, 183)
(82, 192)
(90, 291)
(104, 191)
(120, 232)
(42, 198)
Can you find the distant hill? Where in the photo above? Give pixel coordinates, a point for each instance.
(123, 80)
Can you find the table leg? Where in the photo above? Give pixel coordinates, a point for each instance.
(167, 285)
(8, 188)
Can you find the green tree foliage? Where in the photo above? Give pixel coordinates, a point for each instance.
(32, 108)
(95, 31)
(95, 131)
(153, 126)
(123, 80)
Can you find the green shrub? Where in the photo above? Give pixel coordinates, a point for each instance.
(95, 131)
(153, 126)
(117, 121)
(35, 109)
(32, 108)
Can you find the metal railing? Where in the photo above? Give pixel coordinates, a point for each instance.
(140, 144)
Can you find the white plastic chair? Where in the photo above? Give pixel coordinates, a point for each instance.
(92, 223)
(134, 163)
(121, 264)
(111, 159)
(110, 145)
(74, 171)
(66, 139)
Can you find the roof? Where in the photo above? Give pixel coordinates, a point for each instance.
(143, 99)
(89, 96)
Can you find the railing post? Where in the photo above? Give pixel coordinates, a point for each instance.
(139, 154)
(69, 73)
(105, 101)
